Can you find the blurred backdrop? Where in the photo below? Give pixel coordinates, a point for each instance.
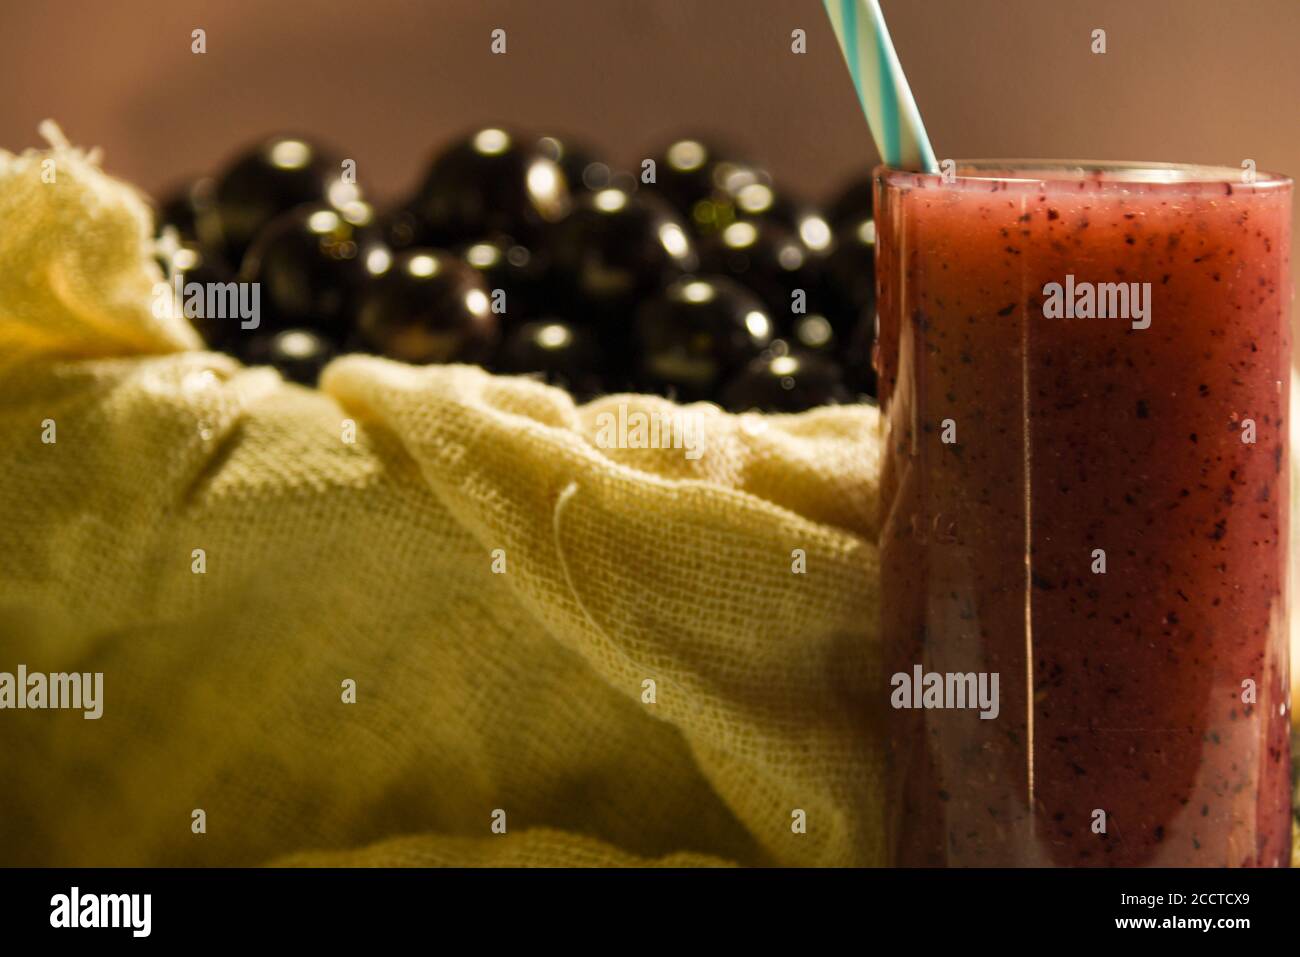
(1212, 81)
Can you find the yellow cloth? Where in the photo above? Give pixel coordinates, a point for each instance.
(372, 560)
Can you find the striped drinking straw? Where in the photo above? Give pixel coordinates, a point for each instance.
(882, 89)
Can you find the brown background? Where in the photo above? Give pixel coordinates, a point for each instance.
(1189, 80)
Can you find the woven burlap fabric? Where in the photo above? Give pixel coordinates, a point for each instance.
(478, 689)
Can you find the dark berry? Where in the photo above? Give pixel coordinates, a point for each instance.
(399, 229)
(785, 381)
(850, 273)
(814, 332)
(857, 356)
(200, 271)
(513, 274)
(582, 170)
(308, 265)
(770, 259)
(425, 306)
(271, 179)
(721, 206)
(562, 353)
(744, 191)
(491, 182)
(615, 248)
(191, 211)
(298, 354)
(696, 334)
(692, 170)
(759, 200)
(853, 204)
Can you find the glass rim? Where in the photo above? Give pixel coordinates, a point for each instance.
(1003, 173)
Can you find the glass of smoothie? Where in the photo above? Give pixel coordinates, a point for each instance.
(1084, 369)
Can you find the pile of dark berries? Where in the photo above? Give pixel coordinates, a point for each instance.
(694, 277)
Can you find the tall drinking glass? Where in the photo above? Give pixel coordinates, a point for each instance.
(1084, 368)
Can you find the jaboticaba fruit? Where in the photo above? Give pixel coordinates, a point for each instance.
(696, 334)
(421, 305)
(491, 182)
(279, 174)
(785, 381)
(308, 262)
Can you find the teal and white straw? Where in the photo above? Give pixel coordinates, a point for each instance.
(882, 89)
